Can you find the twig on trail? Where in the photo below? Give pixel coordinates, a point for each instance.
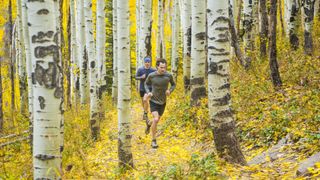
(12, 142)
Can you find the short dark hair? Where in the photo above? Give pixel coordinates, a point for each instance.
(160, 60)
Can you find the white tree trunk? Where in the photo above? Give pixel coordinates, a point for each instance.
(48, 88)
(219, 97)
(146, 25)
(22, 62)
(316, 8)
(160, 31)
(291, 7)
(74, 54)
(124, 84)
(82, 55)
(27, 52)
(308, 7)
(93, 73)
(115, 52)
(186, 43)
(175, 40)
(101, 41)
(198, 54)
(247, 26)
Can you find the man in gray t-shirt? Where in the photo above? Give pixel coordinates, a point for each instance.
(159, 81)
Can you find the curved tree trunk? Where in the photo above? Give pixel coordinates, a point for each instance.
(186, 44)
(115, 53)
(48, 88)
(198, 54)
(175, 40)
(234, 37)
(308, 7)
(275, 75)
(219, 97)
(124, 84)
(93, 73)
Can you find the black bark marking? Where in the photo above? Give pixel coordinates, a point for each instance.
(201, 36)
(224, 100)
(147, 41)
(42, 102)
(222, 28)
(197, 81)
(93, 64)
(214, 48)
(189, 33)
(43, 51)
(42, 37)
(224, 114)
(186, 82)
(220, 19)
(44, 157)
(225, 86)
(43, 11)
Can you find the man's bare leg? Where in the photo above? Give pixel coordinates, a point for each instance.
(145, 105)
(156, 119)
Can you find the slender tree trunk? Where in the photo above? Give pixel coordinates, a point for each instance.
(146, 26)
(101, 41)
(263, 28)
(82, 55)
(292, 23)
(22, 63)
(27, 52)
(186, 44)
(239, 17)
(175, 40)
(12, 63)
(1, 98)
(48, 88)
(93, 73)
(219, 97)
(255, 18)
(74, 54)
(234, 37)
(308, 7)
(281, 17)
(124, 84)
(115, 53)
(275, 75)
(160, 29)
(248, 26)
(198, 54)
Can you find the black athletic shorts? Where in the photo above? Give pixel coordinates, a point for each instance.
(143, 92)
(157, 107)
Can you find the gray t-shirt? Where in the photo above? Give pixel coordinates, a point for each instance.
(159, 84)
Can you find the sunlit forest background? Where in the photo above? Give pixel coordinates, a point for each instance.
(277, 128)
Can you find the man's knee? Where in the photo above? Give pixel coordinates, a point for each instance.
(156, 120)
(145, 98)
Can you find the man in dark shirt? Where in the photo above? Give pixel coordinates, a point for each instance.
(142, 73)
(159, 81)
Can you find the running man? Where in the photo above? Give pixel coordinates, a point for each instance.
(142, 73)
(159, 81)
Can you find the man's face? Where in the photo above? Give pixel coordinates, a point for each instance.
(147, 64)
(162, 68)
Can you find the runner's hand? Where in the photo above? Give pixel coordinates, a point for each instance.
(168, 93)
(150, 94)
(143, 76)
